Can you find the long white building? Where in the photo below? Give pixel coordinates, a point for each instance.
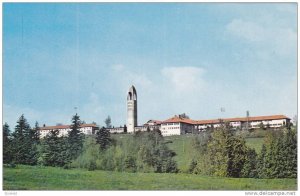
(87, 129)
(178, 125)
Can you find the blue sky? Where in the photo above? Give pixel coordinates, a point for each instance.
(181, 57)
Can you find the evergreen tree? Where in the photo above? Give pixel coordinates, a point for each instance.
(227, 152)
(34, 140)
(290, 152)
(108, 122)
(36, 133)
(75, 139)
(53, 150)
(261, 162)
(249, 168)
(279, 159)
(103, 138)
(125, 129)
(22, 142)
(7, 152)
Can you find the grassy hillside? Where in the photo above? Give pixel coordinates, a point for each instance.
(50, 178)
(181, 144)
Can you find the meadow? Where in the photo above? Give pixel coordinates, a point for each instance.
(53, 178)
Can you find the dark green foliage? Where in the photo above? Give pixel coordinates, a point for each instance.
(75, 139)
(192, 166)
(24, 143)
(7, 151)
(278, 158)
(103, 138)
(130, 164)
(249, 168)
(236, 151)
(261, 162)
(226, 153)
(290, 154)
(34, 140)
(53, 150)
(108, 122)
(36, 133)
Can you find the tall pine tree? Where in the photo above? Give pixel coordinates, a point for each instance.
(75, 139)
(53, 150)
(21, 142)
(290, 152)
(103, 138)
(7, 154)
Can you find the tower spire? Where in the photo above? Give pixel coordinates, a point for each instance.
(131, 109)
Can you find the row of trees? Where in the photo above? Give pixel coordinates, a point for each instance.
(224, 153)
(24, 145)
(146, 152)
(220, 152)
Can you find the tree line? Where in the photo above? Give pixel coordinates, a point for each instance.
(218, 152)
(222, 152)
(144, 152)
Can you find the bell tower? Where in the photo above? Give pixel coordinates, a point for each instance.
(131, 109)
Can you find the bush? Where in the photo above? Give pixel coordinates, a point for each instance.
(87, 159)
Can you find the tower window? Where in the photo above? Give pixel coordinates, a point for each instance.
(130, 95)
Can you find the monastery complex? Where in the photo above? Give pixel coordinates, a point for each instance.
(176, 125)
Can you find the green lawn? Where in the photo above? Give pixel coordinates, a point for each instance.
(50, 178)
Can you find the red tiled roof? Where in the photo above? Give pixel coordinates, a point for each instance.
(66, 126)
(157, 122)
(177, 119)
(243, 119)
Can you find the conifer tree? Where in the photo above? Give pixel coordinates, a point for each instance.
(33, 139)
(103, 138)
(108, 122)
(36, 133)
(75, 139)
(227, 152)
(249, 169)
(53, 152)
(290, 152)
(261, 162)
(7, 156)
(21, 142)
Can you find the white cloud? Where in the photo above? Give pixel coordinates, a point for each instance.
(267, 39)
(246, 30)
(184, 79)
